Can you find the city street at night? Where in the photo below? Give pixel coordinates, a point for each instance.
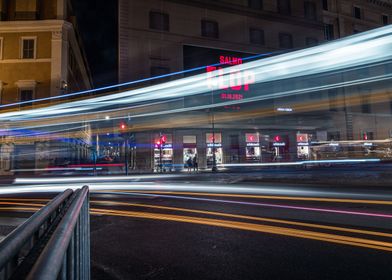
(154, 229)
(195, 139)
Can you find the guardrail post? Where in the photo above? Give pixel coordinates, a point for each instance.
(63, 227)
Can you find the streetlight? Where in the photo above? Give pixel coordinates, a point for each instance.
(124, 134)
(214, 167)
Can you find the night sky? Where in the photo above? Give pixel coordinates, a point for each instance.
(97, 20)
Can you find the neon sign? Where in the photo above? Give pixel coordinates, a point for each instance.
(238, 80)
(235, 83)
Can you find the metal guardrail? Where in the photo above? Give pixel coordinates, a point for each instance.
(54, 243)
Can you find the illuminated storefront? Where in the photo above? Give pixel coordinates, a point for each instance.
(303, 149)
(163, 153)
(253, 151)
(189, 148)
(214, 144)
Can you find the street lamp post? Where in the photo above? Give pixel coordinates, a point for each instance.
(214, 167)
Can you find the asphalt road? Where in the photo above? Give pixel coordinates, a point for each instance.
(190, 230)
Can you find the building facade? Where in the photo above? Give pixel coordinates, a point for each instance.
(153, 34)
(41, 56)
(347, 17)
(40, 51)
(158, 37)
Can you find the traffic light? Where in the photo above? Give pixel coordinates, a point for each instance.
(123, 126)
(277, 138)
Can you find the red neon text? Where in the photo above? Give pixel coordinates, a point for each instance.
(235, 80)
(230, 60)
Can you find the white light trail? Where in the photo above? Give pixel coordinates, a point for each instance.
(367, 48)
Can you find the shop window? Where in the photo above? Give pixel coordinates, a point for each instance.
(285, 41)
(357, 12)
(255, 4)
(284, 7)
(256, 36)
(310, 10)
(189, 149)
(214, 147)
(329, 32)
(28, 48)
(209, 29)
(159, 21)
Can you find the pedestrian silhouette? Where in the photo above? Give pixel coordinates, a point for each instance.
(195, 164)
(189, 164)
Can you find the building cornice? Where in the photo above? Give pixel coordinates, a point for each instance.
(33, 26)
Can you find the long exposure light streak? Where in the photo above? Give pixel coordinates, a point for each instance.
(281, 206)
(95, 90)
(365, 49)
(257, 227)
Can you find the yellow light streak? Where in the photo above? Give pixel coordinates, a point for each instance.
(332, 238)
(318, 199)
(246, 217)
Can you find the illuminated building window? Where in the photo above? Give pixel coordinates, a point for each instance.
(329, 32)
(284, 7)
(325, 5)
(28, 48)
(310, 10)
(285, 41)
(357, 12)
(159, 21)
(255, 4)
(256, 36)
(209, 29)
(384, 19)
(311, 41)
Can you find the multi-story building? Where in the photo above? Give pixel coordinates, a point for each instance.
(163, 36)
(157, 37)
(41, 56)
(40, 51)
(346, 17)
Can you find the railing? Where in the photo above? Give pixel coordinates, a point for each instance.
(54, 243)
